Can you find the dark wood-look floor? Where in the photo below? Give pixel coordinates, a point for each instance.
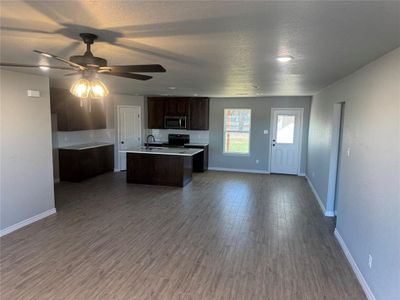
(223, 236)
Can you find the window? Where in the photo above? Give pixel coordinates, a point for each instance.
(237, 123)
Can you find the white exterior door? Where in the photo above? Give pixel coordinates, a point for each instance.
(129, 131)
(286, 133)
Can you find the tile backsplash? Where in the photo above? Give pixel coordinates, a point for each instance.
(196, 136)
(68, 138)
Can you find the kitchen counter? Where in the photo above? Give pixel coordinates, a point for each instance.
(86, 146)
(79, 162)
(164, 151)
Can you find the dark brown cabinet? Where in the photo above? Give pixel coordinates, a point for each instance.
(155, 113)
(77, 165)
(71, 116)
(159, 169)
(196, 111)
(199, 113)
(200, 160)
(176, 107)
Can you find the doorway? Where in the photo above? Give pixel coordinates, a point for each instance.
(129, 131)
(334, 163)
(286, 140)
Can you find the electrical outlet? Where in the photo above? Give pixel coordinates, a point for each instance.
(313, 174)
(265, 131)
(370, 261)
(257, 161)
(348, 152)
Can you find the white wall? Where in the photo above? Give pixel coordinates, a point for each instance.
(368, 208)
(26, 150)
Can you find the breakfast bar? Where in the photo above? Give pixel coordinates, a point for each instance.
(160, 165)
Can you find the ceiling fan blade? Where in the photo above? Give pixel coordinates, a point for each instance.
(33, 66)
(135, 68)
(72, 74)
(72, 64)
(130, 75)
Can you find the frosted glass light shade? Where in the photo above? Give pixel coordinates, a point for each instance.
(80, 88)
(84, 88)
(98, 89)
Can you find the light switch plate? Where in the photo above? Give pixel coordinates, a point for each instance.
(266, 131)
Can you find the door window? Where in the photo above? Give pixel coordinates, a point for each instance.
(285, 129)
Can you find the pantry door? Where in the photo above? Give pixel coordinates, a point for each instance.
(129, 131)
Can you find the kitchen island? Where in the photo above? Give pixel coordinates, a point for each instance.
(160, 165)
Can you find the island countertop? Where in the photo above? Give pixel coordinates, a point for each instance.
(164, 151)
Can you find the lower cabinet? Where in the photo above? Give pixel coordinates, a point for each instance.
(200, 160)
(77, 165)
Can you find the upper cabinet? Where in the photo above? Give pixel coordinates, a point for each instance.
(71, 116)
(155, 113)
(196, 111)
(199, 113)
(176, 107)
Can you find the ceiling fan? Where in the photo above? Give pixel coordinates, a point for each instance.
(89, 66)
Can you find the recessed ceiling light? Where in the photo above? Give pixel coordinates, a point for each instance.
(172, 87)
(44, 68)
(284, 59)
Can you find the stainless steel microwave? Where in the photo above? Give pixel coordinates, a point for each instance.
(175, 122)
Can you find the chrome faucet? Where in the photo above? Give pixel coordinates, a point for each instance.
(147, 140)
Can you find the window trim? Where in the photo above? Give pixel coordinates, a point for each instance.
(248, 154)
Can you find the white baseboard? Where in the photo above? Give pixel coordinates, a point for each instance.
(238, 170)
(326, 213)
(354, 266)
(26, 222)
(301, 174)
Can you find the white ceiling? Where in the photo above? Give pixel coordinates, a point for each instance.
(208, 48)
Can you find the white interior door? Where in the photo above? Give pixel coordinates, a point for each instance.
(129, 131)
(286, 131)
